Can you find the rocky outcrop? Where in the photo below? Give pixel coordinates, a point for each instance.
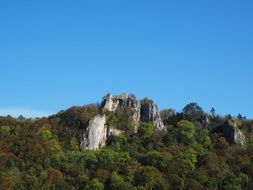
(231, 133)
(150, 113)
(97, 133)
(145, 110)
(112, 103)
(112, 132)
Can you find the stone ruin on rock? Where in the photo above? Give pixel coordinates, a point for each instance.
(97, 133)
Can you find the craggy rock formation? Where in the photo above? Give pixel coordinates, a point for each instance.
(112, 103)
(145, 110)
(150, 113)
(97, 133)
(231, 133)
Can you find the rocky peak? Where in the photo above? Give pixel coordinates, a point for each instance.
(97, 133)
(145, 110)
(231, 133)
(150, 113)
(112, 103)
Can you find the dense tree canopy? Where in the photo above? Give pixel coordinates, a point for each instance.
(45, 153)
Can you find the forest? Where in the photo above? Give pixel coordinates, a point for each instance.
(193, 153)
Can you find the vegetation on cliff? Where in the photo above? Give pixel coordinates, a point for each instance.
(45, 153)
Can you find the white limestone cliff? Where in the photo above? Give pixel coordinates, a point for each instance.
(150, 113)
(112, 103)
(97, 133)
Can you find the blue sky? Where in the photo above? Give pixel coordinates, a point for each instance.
(55, 54)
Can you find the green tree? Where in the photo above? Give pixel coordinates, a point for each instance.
(146, 131)
(4, 131)
(203, 138)
(54, 146)
(212, 111)
(156, 159)
(94, 184)
(193, 112)
(74, 144)
(45, 134)
(149, 177)
(188, 161)
(177, 182)
(106, 158)
(185, 131)
(117, 182)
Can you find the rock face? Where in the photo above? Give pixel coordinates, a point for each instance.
(97, 133)
(150, 113)
(231, 133)
(112, 103)
(145, 110)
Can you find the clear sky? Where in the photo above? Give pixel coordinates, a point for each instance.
(55, 54)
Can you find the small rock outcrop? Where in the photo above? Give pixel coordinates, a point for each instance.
(97, 133)
(150, 113)
(231, 133)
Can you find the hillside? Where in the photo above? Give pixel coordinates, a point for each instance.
(127, 144)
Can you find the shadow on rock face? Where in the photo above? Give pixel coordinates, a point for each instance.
(231, 133)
